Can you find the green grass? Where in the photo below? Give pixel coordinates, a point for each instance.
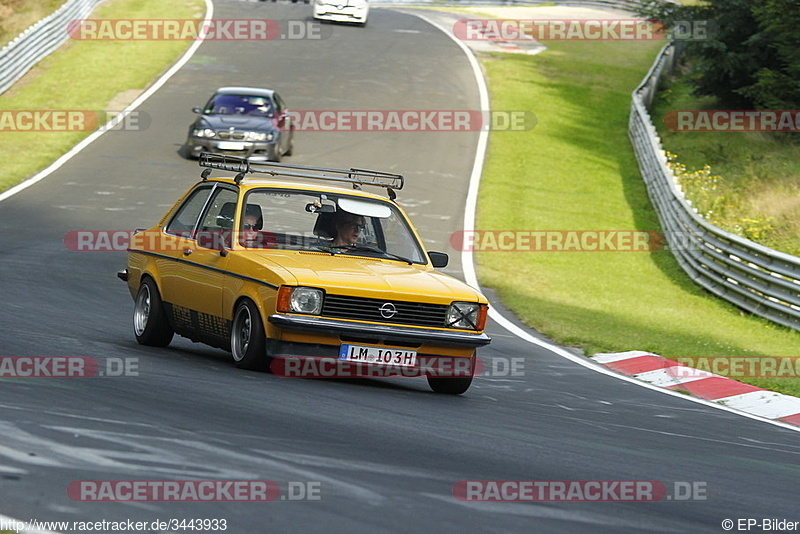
(99, 71)
(576, 171)
(756, 193)
(16, 16)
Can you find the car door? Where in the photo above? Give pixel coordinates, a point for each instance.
(192, 281)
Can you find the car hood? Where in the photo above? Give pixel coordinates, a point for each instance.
(369, 277)
(239, 122)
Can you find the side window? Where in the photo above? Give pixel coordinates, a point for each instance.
(221, 211)
(278, 103)
(185, 218)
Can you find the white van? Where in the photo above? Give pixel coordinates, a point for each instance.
(342, 10)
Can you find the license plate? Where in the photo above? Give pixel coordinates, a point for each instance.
(378, 355)
(229, 145)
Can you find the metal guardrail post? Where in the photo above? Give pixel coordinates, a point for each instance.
(757, 279)
(38, 41)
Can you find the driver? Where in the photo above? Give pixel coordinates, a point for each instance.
(252, 222)
(348, 228)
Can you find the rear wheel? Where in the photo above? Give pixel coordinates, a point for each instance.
(150, 324)
(248, 341)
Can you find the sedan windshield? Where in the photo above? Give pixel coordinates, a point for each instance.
(258, 106)
(336, 224)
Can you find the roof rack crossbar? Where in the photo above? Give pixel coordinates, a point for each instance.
(355, 176)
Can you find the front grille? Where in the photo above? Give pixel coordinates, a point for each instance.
(364, 309)
(230, 136)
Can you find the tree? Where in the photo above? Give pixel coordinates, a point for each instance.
(750, 57)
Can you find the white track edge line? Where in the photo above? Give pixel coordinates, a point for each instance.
(469, 268)
(88, 140)
(57, 164)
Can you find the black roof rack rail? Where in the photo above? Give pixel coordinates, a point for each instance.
(357, 177)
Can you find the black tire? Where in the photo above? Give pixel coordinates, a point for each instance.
(449, 385)
(150, 324)
(275, 153)
(248, 341)
(452, 385)
(290, 147)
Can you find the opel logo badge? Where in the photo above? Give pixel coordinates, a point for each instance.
(388, 310)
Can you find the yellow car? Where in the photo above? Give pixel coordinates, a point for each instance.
(290, 271)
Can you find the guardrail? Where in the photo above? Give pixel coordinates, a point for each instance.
(626, 5)
(35, 43)
(755, 278)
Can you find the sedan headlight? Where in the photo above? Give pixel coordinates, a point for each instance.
(467, 315)
(258, 136)
(306, 300)
(204, 132)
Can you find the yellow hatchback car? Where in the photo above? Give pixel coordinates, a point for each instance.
(304, 278)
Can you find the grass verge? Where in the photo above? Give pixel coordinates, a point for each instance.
(752, 183)
(97, 72)
(16, 16)
(576, 171)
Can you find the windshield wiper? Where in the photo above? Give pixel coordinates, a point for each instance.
(333, 249)
(371, 248)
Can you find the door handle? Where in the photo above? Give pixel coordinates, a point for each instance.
(187, 251)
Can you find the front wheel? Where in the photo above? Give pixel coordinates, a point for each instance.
(290, 144)
(453, 385)
(248, 342)
(449, 385)
(275, 153)
(150, 324)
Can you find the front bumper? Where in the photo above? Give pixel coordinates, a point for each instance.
(195, 146)
(381, 334)
(358, 15)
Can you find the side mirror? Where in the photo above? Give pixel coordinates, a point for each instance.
(439, 259)
(197, 110)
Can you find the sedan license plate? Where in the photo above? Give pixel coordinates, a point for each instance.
(229, 145)
(378, 355)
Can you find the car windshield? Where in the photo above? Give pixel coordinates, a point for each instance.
(258, 106)
(336, 224)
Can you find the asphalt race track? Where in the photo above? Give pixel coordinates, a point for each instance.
(380, 455)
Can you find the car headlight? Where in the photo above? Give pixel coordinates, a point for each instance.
(203, 132)
(467, 315)
(306, 300)
(258, 136)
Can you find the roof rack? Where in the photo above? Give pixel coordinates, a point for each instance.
(242, 166)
